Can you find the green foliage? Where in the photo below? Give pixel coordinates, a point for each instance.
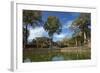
(80, 27)
(30, 17)
(82, 21)
(52, 25)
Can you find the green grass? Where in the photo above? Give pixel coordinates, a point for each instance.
(72, 55)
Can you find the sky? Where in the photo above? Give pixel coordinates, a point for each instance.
(66, 19)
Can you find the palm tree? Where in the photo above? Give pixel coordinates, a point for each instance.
(82, 23)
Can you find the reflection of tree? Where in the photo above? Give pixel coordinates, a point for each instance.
(30, 17)
(52, 25)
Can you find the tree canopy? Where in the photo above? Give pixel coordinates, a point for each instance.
(52, 25)
(30, 17)
(81, 26)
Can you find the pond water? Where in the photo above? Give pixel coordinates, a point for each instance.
(57, 58)
(27, 60)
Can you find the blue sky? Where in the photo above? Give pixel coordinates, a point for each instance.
(66, 19)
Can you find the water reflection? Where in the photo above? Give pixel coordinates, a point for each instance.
(57, 58)
(27, 60)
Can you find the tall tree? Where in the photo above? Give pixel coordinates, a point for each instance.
(24, 36)
(30, 17)
(82, 23)
(52, 25)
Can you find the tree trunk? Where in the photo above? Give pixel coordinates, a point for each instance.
(51, 42)
(76, 42)
(26, 35)
(85, 37)
(37, 43)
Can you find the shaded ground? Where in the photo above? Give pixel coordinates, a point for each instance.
(45, 54)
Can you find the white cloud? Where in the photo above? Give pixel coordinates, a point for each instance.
(36, 32)
(59, 37)
(67, 24)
